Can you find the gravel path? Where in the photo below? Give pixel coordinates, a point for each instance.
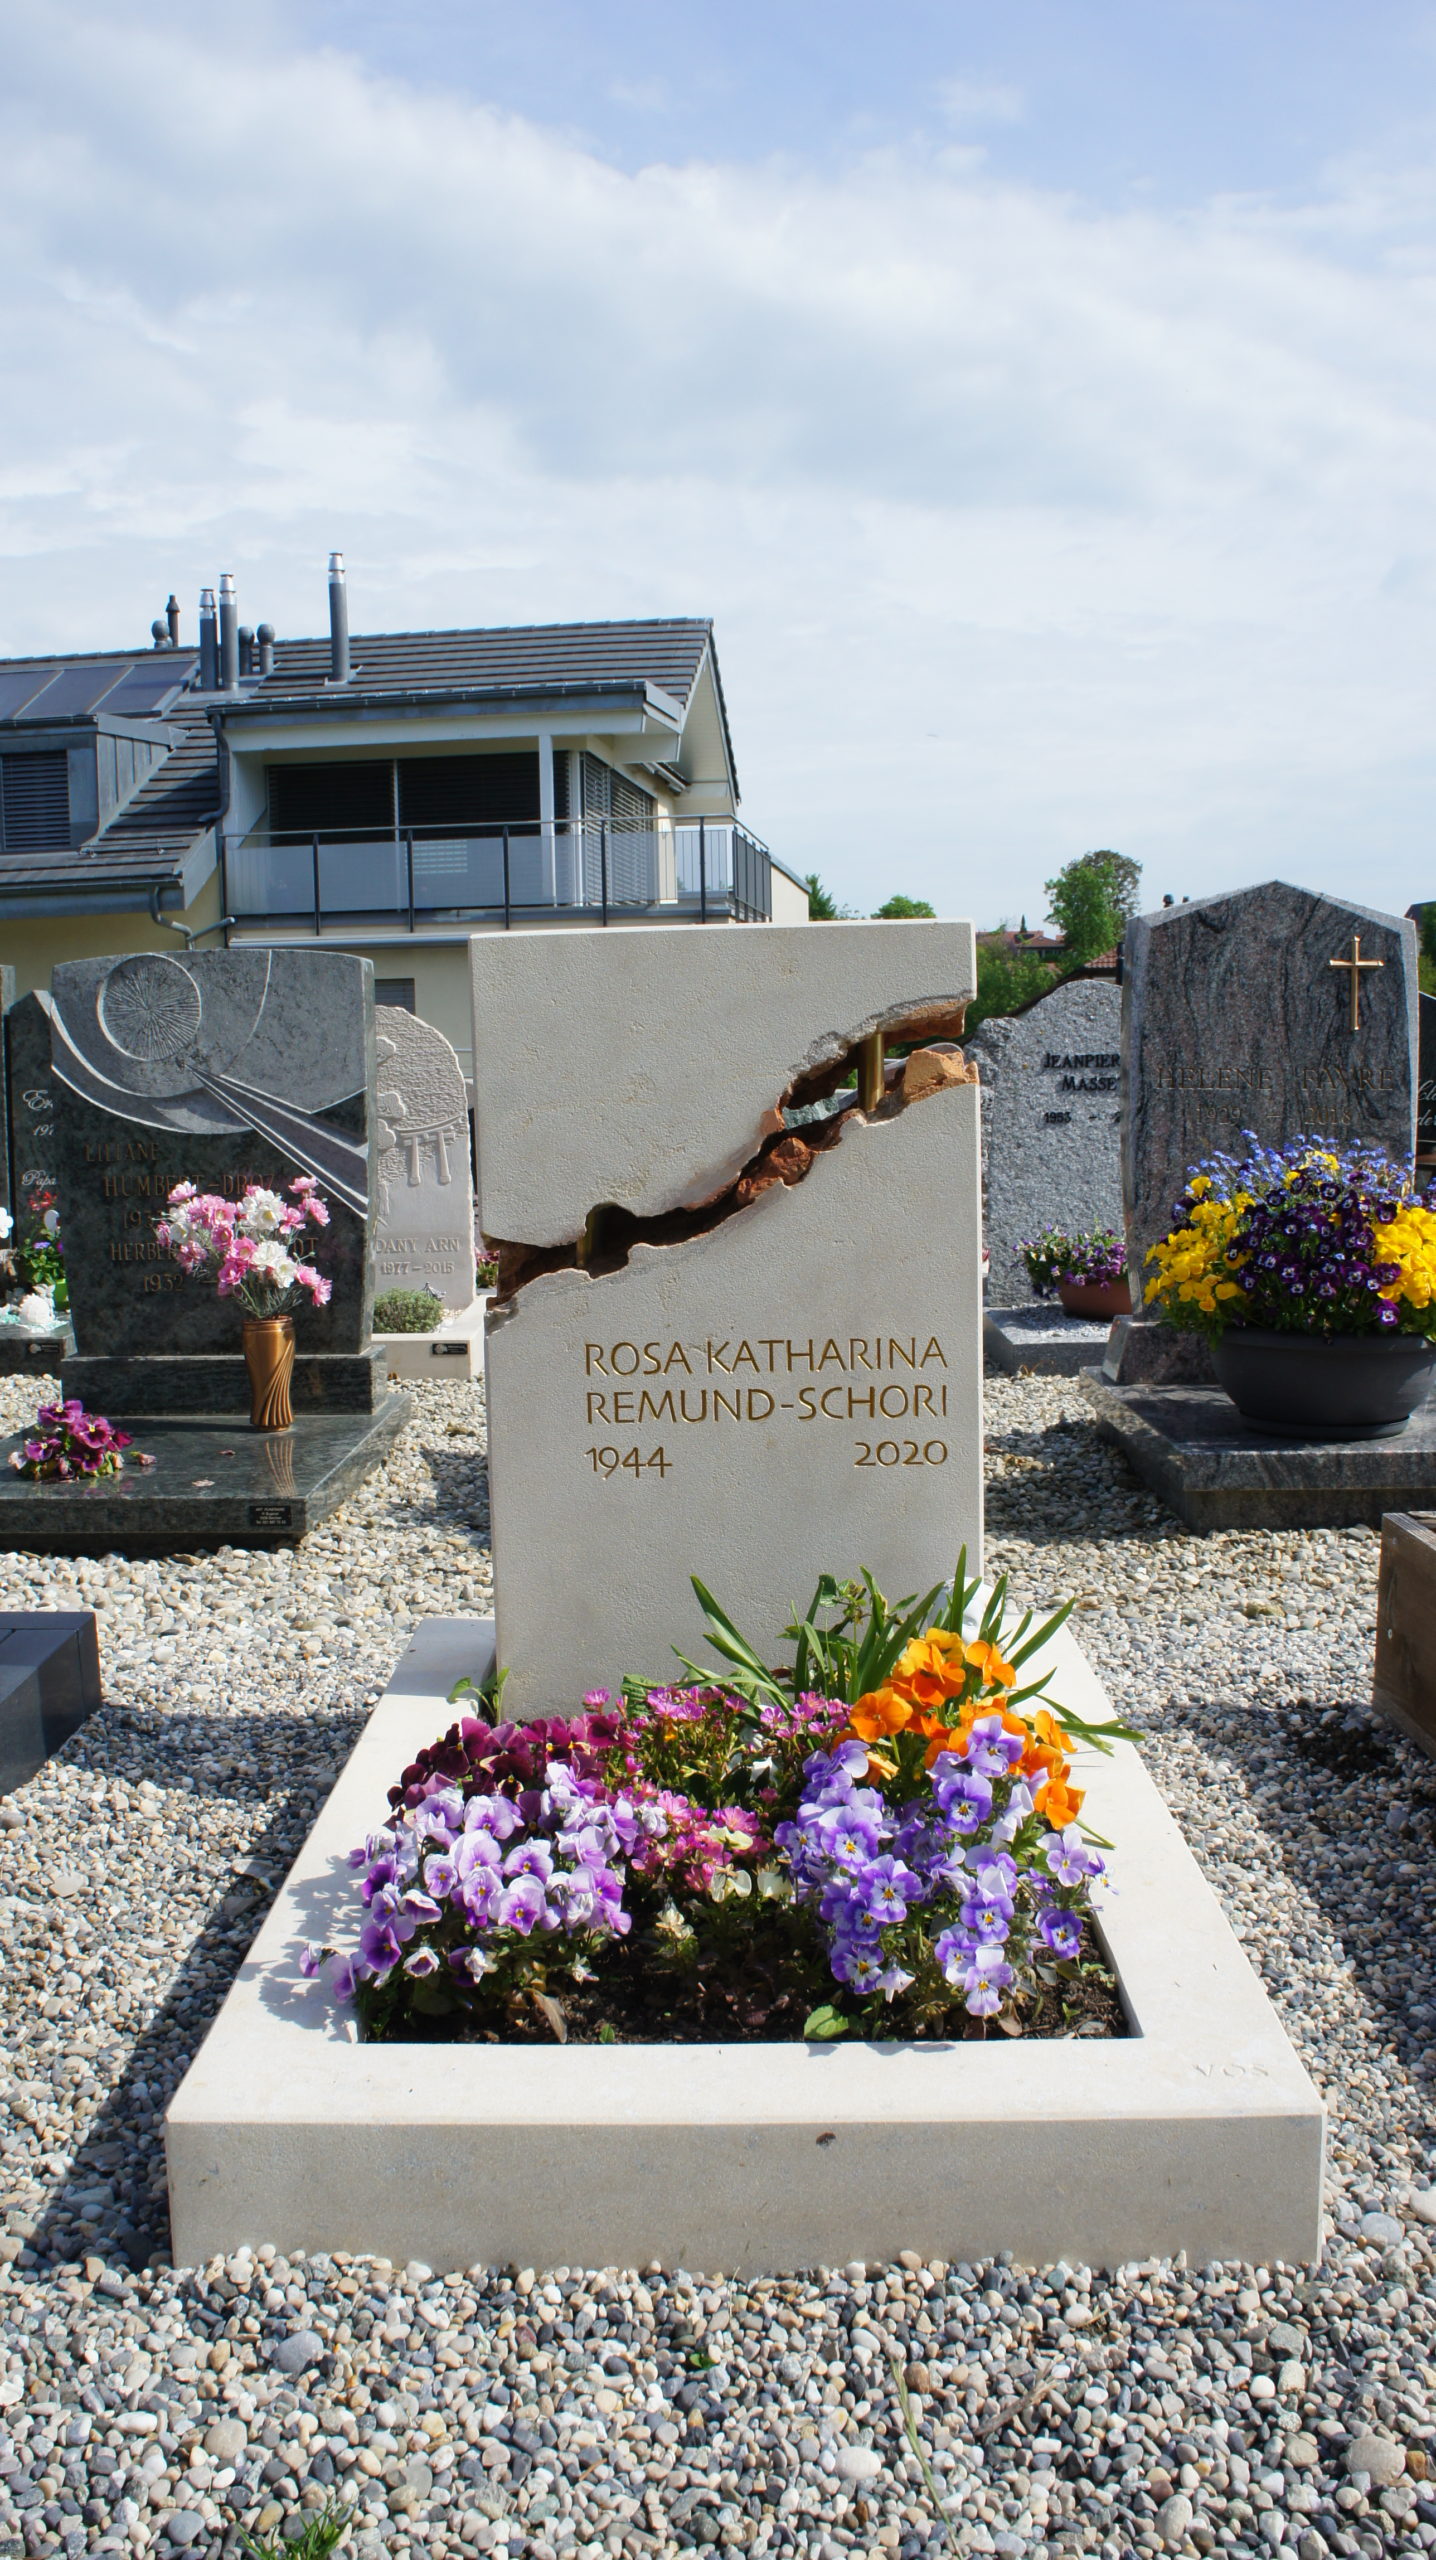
(1237, 2409)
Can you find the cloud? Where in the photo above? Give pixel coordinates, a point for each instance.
(1027, 526)
(965, 102)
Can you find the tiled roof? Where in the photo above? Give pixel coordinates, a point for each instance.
(526, 657)
(181, 796)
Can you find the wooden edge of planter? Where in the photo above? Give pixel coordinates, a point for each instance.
(1403, 1684)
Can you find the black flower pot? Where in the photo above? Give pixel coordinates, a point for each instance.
(1350, 1387)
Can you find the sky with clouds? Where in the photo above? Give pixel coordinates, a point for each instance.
(1042, 401)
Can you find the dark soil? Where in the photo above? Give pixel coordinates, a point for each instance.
(643, 2002)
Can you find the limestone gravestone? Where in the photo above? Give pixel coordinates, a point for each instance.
(722, 1344)
(1051, 1154)
(1275, 1011)
(424, 1234)
(220, 1068)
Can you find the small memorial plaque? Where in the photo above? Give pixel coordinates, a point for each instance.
(271, 1515)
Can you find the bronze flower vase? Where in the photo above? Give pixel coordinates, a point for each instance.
(269, 1358)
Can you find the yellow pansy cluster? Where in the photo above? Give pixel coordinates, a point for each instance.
(1410, 1240)
(1192, 1266)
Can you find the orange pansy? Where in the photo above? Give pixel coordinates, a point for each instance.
(986, 1659)
(1061, 1804)
(878, 1713)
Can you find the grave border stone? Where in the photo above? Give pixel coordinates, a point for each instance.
(49, 1686)
(1199, 2131)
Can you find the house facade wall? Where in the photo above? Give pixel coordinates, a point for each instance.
(34, 945)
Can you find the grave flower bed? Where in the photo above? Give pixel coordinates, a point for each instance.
(883, 1839)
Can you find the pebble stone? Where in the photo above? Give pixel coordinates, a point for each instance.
(567, 2413)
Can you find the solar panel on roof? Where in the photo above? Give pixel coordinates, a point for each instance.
(75, 689)
(148, 686)
(19, 685)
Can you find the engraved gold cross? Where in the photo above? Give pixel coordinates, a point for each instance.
(1356, 964)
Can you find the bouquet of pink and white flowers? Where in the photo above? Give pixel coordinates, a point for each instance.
(251, 1245)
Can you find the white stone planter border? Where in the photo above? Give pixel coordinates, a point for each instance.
(1200, 2131)
(455, 1349)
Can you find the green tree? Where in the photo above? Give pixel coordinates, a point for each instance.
(823, 907)
(1007, 980)
(1426, 964)
(1090, 902)
(899, 910)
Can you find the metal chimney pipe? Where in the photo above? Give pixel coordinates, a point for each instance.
(172, 617)
(208, 642)
(338, 621)
(228, 636)
(246, 650)
(264, 637)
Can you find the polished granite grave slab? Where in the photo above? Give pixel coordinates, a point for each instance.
(1041, 1338)
(214, 1482)
(1216, 1471)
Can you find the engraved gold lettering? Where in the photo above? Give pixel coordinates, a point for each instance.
(623, 1404)
(623, 1360)
(597, 1406)
(731, 1405)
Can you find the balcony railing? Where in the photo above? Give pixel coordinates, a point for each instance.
(710, 869)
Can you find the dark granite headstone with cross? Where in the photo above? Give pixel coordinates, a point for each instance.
(1272, 1011)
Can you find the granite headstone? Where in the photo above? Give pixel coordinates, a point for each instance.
(424, 1232)
(219, 1068)
(1051, 1153)
(1274, 1011)
(31, 1106)
(1426, 1087)
(7, 998)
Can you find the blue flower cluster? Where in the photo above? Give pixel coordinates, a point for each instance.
(463, 1883)
(944, 1863)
